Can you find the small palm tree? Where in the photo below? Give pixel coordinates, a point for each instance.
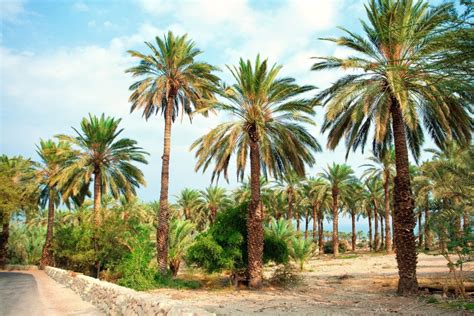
(53, 157)
(401, 80)
(180, 238)
(171, 81)
(281, 229)
(214, 198)
(104, 159)
(340, 178)
(268, 128)
(383, 166)
(190, 206)
(302, 250)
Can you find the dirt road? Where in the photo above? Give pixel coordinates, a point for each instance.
(33, 293)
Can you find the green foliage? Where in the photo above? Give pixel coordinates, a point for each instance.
(328, 249)
(286, 276)
(25, 243)
(180, 238)
(224, 245)
(302, 250)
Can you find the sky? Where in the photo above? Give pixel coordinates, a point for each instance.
(61, 60)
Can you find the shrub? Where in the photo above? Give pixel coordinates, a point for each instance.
(285, 276)
(329, 250)
(275, 249)
(302, 250)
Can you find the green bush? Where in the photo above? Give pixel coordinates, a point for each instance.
(329, 250)
(224, 245)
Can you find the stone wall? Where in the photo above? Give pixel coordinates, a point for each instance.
(118, 300)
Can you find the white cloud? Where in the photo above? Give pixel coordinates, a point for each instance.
(12, 10)
(80, 6)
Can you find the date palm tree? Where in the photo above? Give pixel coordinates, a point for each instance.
(289, 184)
(340, 177)
(374, 188)
(53, 157)
(317, 192)
(171, 81)
(383, 167)
(214, 199)
(399, 80)
(269, 113)
(104, 159)
(190, 206)
(352, 201)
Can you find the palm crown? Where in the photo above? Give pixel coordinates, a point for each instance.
(266, 110)
(397, 59)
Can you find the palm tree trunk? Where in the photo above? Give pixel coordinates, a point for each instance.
(4, 241)
(376, 228)
(335, 224)
(457, 227)
(420, 233)
(321, 235)
(388, 238)
(290, 206)
(97, 204)
(213, 213)
(403, 210)
(306, 224)
(381, 233)
(369, 217)
(427, 228)
(354, 235)
(163, 215)
(465, 221)
(254, 218)
(315, 222)
(297, 217)
(47, 254)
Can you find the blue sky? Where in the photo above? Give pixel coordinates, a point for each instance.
(61, 60)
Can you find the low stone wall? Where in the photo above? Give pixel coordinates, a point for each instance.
(118, 300)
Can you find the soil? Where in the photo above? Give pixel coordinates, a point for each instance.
(354, 284)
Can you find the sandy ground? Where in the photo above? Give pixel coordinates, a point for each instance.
(363, 285)
(34, 293)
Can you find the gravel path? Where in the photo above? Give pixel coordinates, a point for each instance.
(33, 293)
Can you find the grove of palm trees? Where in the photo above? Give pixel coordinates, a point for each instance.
(396, 226)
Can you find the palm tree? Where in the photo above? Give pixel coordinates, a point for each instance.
(352, 201)
(181, 238)
(171, 80)
(53, 156)
(400, 79)
(190, 206)
(17, 192)
(317, 193)
(267, 127)
(383, 166)
(373, 186)
(103, 158)
(289, 184)
(214, 198)
(340, 177)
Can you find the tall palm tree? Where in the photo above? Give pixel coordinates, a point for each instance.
(400, 80)
(353, 201)
(318, 194)
(268, 128)
(53, 157)
(340, 177)
(214, 199)
(104, 159)
(289, 184)
(383, 166)
(374, 189)
(171, 81)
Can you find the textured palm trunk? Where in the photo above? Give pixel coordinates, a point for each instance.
(254, 217)
(321, 235)
(306, 224)
(388, 237)
(213, 213)
(163, 215)
(290, 205)
(97, 204)
(369, 217)
(4, 241)
(298, 227)
(458, 227)
(315, 222)
(428, 238)
(335, 223)
(354, 236)
(465, 221)
(47, 254)
(381, 233)
(403, 209)
(376, 228)
(420, 230)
